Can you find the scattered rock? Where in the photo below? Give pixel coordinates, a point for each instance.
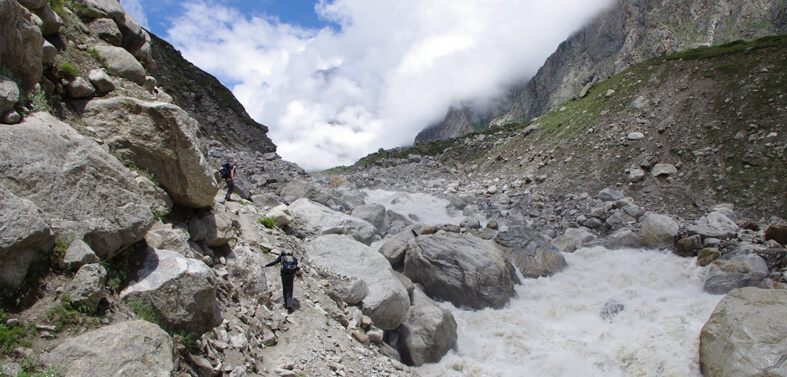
(80, 88)
(635, 136)
(715, 225)
(87, 287)
(610, 195)
(101, 80)
(707, 255)
(664, 170)
(686, 246)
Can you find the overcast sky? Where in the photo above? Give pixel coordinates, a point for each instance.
(337, 80)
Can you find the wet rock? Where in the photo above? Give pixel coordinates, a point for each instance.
(611, 309)
(658, 231)
(427, 334)
(686, 246)
(743, 322)
(778, 233)
(623, 239)
(736, 272)
(707, 255)
(532, 252)
(462, 269)
(715, 225)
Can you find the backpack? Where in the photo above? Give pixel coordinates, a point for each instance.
(289, 264)
(224, 172)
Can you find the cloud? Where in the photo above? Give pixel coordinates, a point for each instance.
(390, 68)
(134, 8)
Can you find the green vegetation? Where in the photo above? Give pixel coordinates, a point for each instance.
(731, 48)
(40, 101)
(158, 214)
(59, 5)
(143, 172)
(12, 336)
(67, 71)
(267, 222)
(144, 311)
(59, 252)
(119, 267)
(64, 315)
(71, 305)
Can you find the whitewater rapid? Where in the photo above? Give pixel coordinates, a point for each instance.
(555, 327)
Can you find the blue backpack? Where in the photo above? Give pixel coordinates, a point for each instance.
(289, 263)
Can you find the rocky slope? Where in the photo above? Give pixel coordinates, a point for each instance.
(630, 32)
(119, 254)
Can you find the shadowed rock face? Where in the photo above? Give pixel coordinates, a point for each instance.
(630, 32)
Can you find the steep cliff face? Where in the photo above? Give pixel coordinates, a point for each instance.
(630, 32)
(219, 113)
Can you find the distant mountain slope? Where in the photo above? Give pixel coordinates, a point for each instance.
(718, 115)
(219, 113)
(632, 31)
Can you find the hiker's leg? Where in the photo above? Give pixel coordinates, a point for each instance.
(287, 283)
(230, 186)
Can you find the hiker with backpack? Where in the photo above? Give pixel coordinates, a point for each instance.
(289, 266)
(227, 172)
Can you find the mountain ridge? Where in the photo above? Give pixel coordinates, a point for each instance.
(630, 32)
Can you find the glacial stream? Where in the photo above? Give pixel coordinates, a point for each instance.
(555, 326)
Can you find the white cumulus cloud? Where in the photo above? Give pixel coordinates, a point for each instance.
(392, 67)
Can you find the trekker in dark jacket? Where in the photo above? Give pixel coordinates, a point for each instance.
(289, 266)
(230, 180)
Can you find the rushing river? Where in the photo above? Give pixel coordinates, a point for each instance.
(555, 327)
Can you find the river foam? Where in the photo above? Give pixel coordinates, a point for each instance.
(555, 326)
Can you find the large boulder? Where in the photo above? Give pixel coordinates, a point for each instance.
(23, 237)
(739, 271)
(428, 332)
(21, 43)
(462, 269)
(246, 271)
(133, 348)
(159, 137)
(746, 335)
(531, 252)
(374, 214)
(318, 219)
(386, 302)
(715, 225)
(301, 188)
(180, 291)
(122, 63)
(219, 226)
(395, 247)
(658, 231)
(82, 189)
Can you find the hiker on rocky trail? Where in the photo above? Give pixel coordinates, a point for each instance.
(227, 172)
(289, 266)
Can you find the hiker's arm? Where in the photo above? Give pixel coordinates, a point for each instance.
(277, 260)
